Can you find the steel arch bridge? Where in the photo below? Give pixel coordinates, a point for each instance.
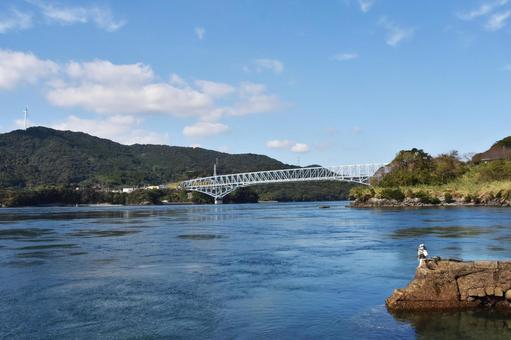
(221, 185)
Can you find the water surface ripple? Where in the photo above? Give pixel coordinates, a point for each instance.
(282, 271)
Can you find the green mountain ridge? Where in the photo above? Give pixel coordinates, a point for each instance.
(41, 156)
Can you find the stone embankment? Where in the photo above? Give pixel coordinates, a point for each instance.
(452, 284)
(416, 202)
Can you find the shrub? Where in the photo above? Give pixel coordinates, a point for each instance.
(391, 193)
(361, 193)
(448, 197)
(494, 171)
(426, 198)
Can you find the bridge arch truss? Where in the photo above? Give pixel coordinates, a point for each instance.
(221, 185)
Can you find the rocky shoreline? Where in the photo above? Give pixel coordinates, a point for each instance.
(374, 202)
(453, 284)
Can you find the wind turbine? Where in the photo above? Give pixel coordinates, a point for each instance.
(26, 114)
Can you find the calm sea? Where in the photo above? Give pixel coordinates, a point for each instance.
(257, 271)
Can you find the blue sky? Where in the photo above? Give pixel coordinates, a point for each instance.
(327, 82)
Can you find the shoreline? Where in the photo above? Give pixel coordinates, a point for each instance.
(415, 203)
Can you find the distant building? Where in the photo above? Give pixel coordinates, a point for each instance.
(128, 190)
(155, 187)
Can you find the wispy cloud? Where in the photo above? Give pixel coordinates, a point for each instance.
(366, 5)
(265, 64)
(123, 129)
(498, 20)
(395, 34)
(356, 130)
(205, 129)
(15, 20)
(344, 56)
(482, 10)
(200, 32)
(102, 17)
(495, 14)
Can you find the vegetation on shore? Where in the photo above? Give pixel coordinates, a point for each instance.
(68, 196)
(415, 177)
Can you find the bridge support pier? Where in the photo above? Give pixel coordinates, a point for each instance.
(219, 200)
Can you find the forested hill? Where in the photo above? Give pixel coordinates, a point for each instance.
(42, 156)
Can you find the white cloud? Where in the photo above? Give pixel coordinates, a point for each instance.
(395, 33)
(102, 71)
(106, 88)
(16, 20)
(278, 144)
(123, 129)
(344, 56)
(101, 16)
(205, 129)
(121, 98)
(300, 148)
(23, 68)
(195, 146)
(287, 145)
(200, 32)
(482, 10)
(365, 5)
(103, 87)
(254, 98)
(498, 20)
(214, 89)
(264, 64)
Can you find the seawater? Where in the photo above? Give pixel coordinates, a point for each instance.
(255, 271)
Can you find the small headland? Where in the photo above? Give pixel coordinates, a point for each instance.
(454, 285)
(414, 178)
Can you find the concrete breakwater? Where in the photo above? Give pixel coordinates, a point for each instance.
(452, 284)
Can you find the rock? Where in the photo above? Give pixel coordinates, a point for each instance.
(481, 292)
(448, 284)
(472, 292)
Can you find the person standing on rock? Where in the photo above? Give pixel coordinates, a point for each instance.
(422, 253)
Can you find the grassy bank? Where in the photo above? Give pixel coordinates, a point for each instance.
(414, 177)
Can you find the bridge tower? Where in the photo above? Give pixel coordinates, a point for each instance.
(218, 200)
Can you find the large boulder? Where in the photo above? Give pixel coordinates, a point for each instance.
(453, 284)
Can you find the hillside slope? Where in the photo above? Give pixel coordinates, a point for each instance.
(42, 156)
(501, 150)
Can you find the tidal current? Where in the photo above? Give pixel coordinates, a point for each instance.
(254, 271)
